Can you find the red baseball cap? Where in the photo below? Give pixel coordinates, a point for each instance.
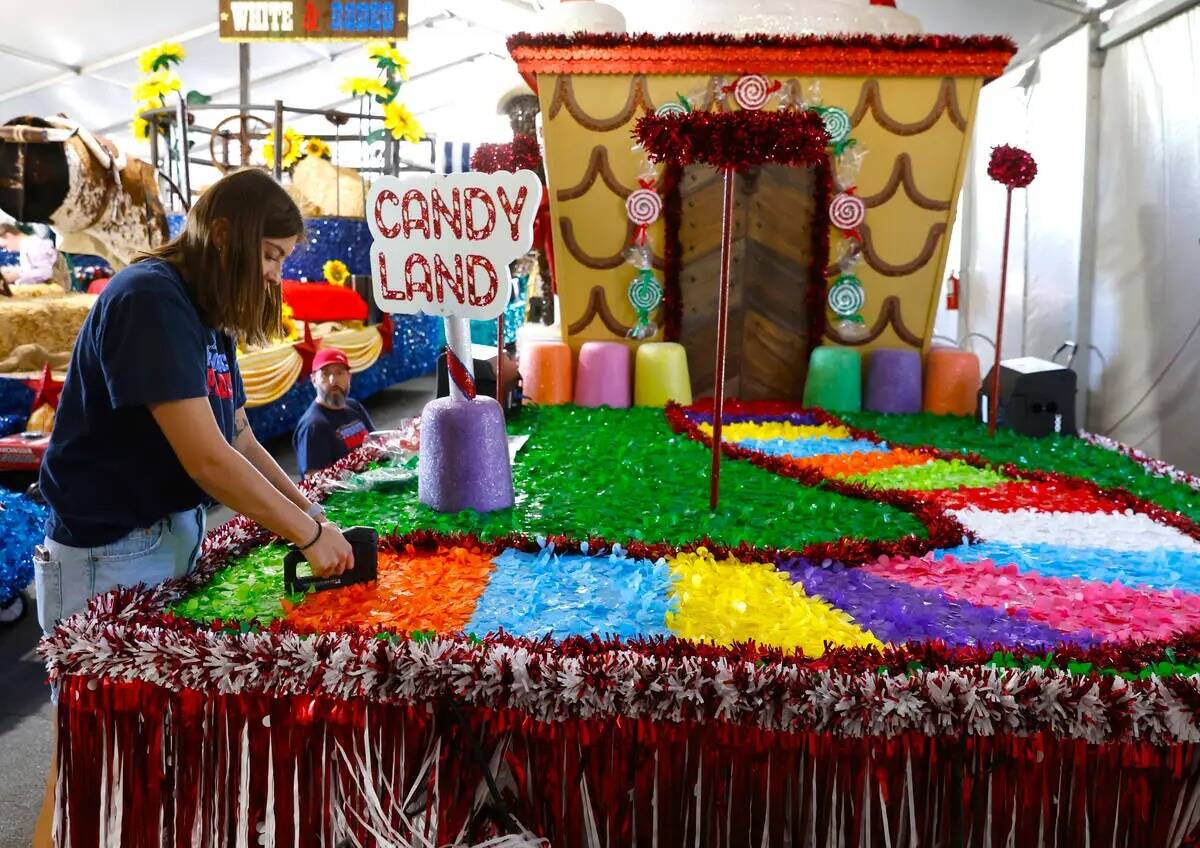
(329, 356)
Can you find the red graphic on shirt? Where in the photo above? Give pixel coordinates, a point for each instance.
(220, 381)
(352, 435)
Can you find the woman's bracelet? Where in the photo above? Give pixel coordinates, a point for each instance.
(314, 539)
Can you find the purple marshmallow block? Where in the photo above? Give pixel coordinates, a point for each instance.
(894, 381)
(464, 460)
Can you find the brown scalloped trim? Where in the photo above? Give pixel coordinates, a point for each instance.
(902, 174)
(889, 314)
(871, 101)
(597, 305)
(600, 263)
(598, 166)
(887, 268)
(564, 95)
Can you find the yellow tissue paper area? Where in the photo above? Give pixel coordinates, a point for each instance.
(730, 601)
(767, 430)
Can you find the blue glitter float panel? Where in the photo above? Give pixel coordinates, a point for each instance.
(347, 239)
(15, 397)
(24, 528)
(1159, 569)
(538, 594)
(804, 448)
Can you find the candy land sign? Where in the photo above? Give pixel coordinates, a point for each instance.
(443, 243)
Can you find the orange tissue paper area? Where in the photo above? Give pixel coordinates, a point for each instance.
(850, 464)
(416, 590)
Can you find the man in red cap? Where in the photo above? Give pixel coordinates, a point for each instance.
(335, 424)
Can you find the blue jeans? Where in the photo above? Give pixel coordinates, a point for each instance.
(67, 577)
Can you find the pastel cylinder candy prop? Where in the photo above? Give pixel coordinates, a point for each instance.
(602, 378)
(464, 460)
(834, 379)
(546, 373)
(893, 381)
(662, 375)
(951, 381)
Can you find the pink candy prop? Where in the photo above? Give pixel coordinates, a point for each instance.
(644, 206)
(847, 212)
(753, 91)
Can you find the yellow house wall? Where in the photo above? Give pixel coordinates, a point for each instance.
(913, 116)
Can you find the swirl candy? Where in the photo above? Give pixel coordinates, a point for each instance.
(752, 91)
(672, 108)
(644, 206)
(847, 296)
(837, 124)
(847, 212)
(645, 293)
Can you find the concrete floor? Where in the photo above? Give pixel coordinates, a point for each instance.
(25, 714)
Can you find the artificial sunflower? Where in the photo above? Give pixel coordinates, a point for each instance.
(161, 57)
(141, 128)
(293, 148)
(156, 87)
(387, 57)
(402, 123)
(368, 86)
(336, 273)
(318, 148)
(290, 328)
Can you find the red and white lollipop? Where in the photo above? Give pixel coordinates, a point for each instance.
(644, 207)
(847, 212)
(753, 91)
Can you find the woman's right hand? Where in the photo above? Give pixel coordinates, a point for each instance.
(330, 555)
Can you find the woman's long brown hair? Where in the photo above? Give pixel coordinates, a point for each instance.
(226, 282)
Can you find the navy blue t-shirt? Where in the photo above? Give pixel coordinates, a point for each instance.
(325, 435)
(109, 468)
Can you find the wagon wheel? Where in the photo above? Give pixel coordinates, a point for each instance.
(222, 138)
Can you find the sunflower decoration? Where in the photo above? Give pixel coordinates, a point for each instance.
(161, 57)
(156, 87)
(290, 328)
(401, 123)
(336, 273)
(317, 148)
(291, 153)
(370, 87)
(388, 58)
(140, 127)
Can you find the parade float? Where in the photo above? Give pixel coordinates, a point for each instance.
(892, 629)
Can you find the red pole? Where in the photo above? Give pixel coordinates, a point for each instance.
(722, 327)
(994, 400)
(500, 358)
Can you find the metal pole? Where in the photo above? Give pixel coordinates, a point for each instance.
(994, 400)
(243, 100)
(185, 170)
(1090, 227)
(500, 359)
(277, 165)
(722, 328)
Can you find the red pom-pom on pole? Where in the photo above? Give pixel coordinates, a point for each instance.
(1013, 168)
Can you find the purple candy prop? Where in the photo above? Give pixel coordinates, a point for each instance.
(464, 456)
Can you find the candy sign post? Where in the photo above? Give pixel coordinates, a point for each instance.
(442, 246)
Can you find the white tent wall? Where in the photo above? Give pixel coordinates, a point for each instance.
(1146, 299)
(1038, 106)
(1144, 290)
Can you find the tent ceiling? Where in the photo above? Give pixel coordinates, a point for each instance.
(81, 57)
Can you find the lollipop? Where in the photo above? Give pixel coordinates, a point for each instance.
(847, 296)
(847, 212)
(837, 124)
(644, 206)
(753, 91)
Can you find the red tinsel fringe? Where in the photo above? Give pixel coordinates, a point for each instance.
(981, 43)
(309, 771)
(736, 140)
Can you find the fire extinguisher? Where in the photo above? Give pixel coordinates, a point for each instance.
(952, 292)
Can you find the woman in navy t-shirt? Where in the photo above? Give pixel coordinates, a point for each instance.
(150, 423)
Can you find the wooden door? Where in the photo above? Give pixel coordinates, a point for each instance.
(768, 345)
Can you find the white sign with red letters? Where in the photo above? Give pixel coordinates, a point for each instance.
(443, 243)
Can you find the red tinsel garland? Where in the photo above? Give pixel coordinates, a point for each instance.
(582, 40)
(736, 140)
(522, 153)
